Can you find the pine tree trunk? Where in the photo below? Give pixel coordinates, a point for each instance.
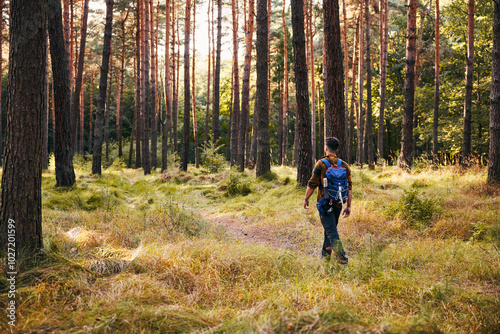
(106, 109)
(435, 142)
(195, 124)
(166, 127)
(284, 154)
(334, 76)
(175, 80)
(304, 148)
(236, 84)
(467, 132)
(384, 12)
(494, 149)
(187, 90)
(360, 155)
(245, 91)
(81, 120)
(313, 87)
(261, 113)
(1, 76)
(215, 116)
(369, 120)
(350, 148)
(154, 90)
(45, 115)
(103, 82)
(145, 67)
(90, 116)
(63, 149)
(209, 76)
(79, 74)
(119, 101)
(346, 84)
(138, 80)
(405, 159)
(21, 198)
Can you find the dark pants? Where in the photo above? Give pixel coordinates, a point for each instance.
(332, 240)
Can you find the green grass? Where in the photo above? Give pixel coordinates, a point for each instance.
(129, 253)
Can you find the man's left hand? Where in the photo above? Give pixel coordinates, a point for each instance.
(306, 204)
(347, 212)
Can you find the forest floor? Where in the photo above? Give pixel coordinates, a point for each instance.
(194, 252)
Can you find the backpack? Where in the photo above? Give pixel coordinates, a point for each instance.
(336, 189)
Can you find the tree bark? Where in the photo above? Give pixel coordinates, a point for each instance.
(304, 148)
(384, 12)
(494, 149)
(195, 124)
(346, 84)
(79, 74)
(245, 92)
(187, 90)
(360, 156)
(313, 87)
(175, 80)
(103, 82)
(263, 163)
(435, 123)
(209, 76)
(138, 80)
(350, 148)
(166, 127)
(21, 198)
(91, 105)
(467, 126)
(405, 159)
(154, 90)
(236, 84)
(145, 91)
(334, 76)
(63, 149)
(215, 116)
(45, 115)
(119, 100)
(1, 76)
(284, 153)
(369, 120)
(106, 108)
(81, 120)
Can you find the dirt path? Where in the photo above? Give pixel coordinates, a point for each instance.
(237, 229)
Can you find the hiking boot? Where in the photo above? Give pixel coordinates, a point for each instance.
(344, 261)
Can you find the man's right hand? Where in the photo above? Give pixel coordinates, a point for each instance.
(306, 204)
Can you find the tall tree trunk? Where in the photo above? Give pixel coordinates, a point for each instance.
(245, 91)
(466, 143)
(435, 142)
(284, 154)
(138, 80)
(154, 124)
(494, 149)
(261, 112)
(63, 149)
(304, 158)
(236, 84)
(187, 90)
(106, 108)
(175, 81)
(369, 120)
(146, 157)
(21, 199)
(405, 159)
(195, 124)
(417, 64)
(46, 110)
(384, 13)
(313, 86)
(119, 100)
(1, 76)
(360, 156)
(166, 127)
(81, 120)
(350, 148)
(103, 82)
(346, 84)
(90, 107)
(209, 76)
(68, 33)
(215, 116)
(79, 75)
(334, 76)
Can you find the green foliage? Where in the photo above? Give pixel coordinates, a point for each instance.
(212, 159)
(414, 207)
(269, 176)
(173, 218)
(236, 186)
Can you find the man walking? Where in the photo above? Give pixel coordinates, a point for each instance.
(330, 218)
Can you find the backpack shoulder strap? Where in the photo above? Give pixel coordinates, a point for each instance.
(339, 162)
(326, 162)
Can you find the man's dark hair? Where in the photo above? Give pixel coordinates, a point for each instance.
(332, 143)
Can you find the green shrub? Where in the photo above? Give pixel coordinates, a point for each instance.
(236, 187)
(212, 159)
(269, 176)
(174, 219)
(414, 207)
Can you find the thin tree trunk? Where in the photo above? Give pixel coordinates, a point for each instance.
(1, 76)
(417, 64)
(467, 132)
(405, 159)
(103, 82)
(494, 148)
(187, 90)
(21, 198)
(79, 75)
(313, 87)
(81, 120)
(236, 84)
(46, 110)
(146, 157)
(195, 124)
(334, 76)
(63, 149)
(175, 81)
(154, 96)
(245, 92)
(346, 84)
(369, 120)
(435, 142)
(353, 92)
(215, 117)
(304, 158)
(360, 156)
(209, 76)
(166, 127)
(138, 80)
(90, 116)
(261, 132)
(383, 76)
(119, 100)
(106, 108)
(284, 154)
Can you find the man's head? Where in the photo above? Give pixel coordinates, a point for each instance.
(331, 145)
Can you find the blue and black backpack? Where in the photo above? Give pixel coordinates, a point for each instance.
(336, 188)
